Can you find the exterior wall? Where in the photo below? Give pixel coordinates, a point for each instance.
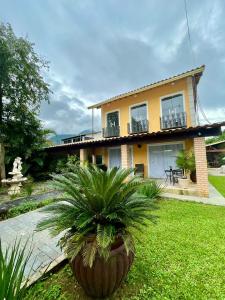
(153, 99)
(140, 155)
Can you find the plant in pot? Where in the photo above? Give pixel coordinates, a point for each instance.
(186, 161)
(100, 216)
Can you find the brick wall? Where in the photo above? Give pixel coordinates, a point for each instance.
(201, 166)
(125, 163)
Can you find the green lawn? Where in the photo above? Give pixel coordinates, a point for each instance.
(182, 257)
(218, 182)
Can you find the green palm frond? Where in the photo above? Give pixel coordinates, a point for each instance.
(99, 204)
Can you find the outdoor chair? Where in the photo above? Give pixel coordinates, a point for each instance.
(178, 173)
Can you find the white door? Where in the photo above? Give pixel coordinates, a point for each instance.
(161, 158)
(114, 157)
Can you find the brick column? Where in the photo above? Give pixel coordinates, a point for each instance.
(201, 166)
(83, 155)
(125, 162)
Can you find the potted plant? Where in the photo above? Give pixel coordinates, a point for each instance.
(102, 211)
(186, 161)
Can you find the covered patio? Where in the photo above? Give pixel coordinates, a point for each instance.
(91, 149)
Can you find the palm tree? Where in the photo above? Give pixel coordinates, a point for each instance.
(100, 209)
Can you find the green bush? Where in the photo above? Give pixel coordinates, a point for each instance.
(26, 207)
(152, 189)
(12, 267)
(29, 186)
(186, 161)
(68, 164)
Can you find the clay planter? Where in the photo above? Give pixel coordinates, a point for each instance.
(183, 182)
(103, 278)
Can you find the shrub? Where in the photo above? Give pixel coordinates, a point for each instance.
(186, 161)
(12, 267)
(103, 207)
(151, 189)
(29, 187)
(26, 207)
(67, 165)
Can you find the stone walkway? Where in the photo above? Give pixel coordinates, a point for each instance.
(46, 253)
(215, 198)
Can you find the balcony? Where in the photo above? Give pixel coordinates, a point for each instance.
(176, 120)
(137, 126)
(112, 131)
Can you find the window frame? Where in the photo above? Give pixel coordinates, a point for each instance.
(109, 112)
(147, 112)
(172, 95)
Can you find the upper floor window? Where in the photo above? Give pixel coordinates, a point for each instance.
(172, 105)
(173, 114)
(139, 122)
(112, 125)
(113, 119)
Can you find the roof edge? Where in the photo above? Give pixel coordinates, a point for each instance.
(198, 70)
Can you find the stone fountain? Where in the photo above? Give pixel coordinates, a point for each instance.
(17, 178)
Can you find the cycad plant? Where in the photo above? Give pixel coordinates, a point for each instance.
(101, 208)
(13, 262)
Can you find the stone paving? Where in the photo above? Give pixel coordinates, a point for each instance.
(44, 247)
(215, 198)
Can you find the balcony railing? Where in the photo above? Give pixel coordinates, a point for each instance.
(175, 120)
(111, 131)
(137, 126)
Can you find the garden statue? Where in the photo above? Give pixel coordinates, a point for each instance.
(17, 178)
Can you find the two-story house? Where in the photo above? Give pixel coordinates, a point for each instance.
(146, 128)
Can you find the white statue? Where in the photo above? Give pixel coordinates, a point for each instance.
(17, 177)
(17, 166)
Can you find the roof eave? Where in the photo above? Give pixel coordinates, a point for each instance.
(197, 71)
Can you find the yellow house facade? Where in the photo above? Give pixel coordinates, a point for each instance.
(147, 127)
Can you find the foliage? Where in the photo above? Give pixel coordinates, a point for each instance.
(219, 183)
(69, 164)
(186, 161)
(151, 189)
(26, 207)
(22, 89)
(13, 262)
(176, 259)
(215, 139)
(103, 207)
(29, 186)
(25, 137)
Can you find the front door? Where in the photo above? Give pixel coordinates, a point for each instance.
(161, 158)
(114, 157)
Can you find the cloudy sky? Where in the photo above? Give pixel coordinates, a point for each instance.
(99, 48)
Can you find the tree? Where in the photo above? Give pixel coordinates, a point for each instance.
(22, 87)
(25, 137)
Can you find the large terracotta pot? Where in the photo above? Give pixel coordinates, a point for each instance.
(104, 277)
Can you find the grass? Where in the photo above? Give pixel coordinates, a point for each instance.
(25, 207)
(219, 183)
(39, 187)
(182, 257)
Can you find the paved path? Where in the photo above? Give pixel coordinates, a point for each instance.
(45, 251)
(215, 198)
